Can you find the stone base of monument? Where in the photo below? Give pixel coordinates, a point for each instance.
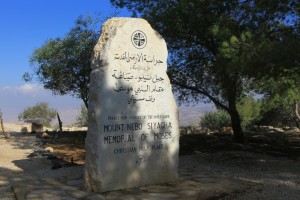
(133, 129)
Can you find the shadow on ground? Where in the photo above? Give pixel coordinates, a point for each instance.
(22, 141)
(207, 167)
(275, 144)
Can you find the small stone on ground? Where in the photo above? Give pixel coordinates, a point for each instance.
(222, 175)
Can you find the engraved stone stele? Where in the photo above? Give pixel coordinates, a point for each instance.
(133, 130)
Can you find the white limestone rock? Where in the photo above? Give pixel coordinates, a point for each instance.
(133, 130)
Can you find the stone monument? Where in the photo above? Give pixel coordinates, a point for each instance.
(133, 130)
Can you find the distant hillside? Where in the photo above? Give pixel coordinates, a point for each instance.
(15, 127)
(190, 115)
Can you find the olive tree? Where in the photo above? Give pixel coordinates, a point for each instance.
(63, 64)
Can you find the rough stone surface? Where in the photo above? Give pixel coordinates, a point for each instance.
(49, 149)
(133, 133)
(45, 135)
(37, 127)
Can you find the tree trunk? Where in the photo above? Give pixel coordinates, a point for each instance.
(59, 123)
(297, 115)
(86, 103)
(85, 99)
(236, 124)
(2, 126)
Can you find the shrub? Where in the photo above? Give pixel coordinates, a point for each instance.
(249, 110)
(82, 117)
(216, 120)
(40, 111)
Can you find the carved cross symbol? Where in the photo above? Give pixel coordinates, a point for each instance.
(139, 39)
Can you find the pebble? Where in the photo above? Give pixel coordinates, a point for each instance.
(273, 178)
(49, 149)
(7, 135)
(277, 178)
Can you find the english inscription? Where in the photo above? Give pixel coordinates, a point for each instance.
(133, 119)
(159, 130)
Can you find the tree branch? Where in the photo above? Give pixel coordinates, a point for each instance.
(203, 92)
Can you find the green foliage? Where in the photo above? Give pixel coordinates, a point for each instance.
(63, 64)
(216, 120)
(278, 117)
(218, 48)
(82, 117)
(282, 91)
(280, 100)
(40, 111)
(249, 110)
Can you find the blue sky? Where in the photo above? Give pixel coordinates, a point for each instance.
(25, 26)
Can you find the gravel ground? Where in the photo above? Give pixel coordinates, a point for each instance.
(15, 165)
(276, 178)
(8, 170)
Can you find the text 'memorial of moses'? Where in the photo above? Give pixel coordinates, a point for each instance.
(133, 130)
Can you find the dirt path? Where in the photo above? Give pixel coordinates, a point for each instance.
(220, 174)
(12, 151)
(30, 178)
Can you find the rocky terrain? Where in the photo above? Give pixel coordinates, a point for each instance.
(211, 166)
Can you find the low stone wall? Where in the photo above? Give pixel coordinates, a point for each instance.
(13, 127)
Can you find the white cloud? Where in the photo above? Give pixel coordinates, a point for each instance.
(26, 89)
(14, 99)
(29, 88)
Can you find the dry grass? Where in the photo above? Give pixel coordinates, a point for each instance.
(69, 148)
